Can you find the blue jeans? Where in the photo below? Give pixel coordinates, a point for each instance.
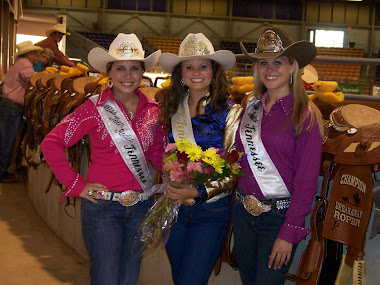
(254, 238)
(109, 232)
(196, 241)
(10, 118)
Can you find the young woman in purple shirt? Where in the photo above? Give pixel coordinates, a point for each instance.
(281, 134)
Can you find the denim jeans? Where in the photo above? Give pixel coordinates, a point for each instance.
(109, 232)
(196, 241)
(10, 118)
(254, 238)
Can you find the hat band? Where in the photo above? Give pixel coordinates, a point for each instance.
(268, 51)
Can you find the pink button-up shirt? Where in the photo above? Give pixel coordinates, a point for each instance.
(107, 166)
(17, 80)
(297, 159)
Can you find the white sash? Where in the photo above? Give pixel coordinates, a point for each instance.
(125, 140)
(265, 172)
(181, 122)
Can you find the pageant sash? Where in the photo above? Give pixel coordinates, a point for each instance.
(125, 140)
(265, 172)
(181, 122)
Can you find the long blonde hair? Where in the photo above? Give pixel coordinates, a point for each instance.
(301, 100)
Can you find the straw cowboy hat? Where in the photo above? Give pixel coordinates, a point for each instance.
(56, 28)
(309, 74)
(25, 47)
(196, 46)
(123, 47)
(276, 42)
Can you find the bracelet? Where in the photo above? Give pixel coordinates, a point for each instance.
(203, 195)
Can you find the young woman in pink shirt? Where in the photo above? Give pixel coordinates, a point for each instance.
(124, 134)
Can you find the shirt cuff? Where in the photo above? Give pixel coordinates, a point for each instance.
(76, 188)
(292, 233)
(203, 195)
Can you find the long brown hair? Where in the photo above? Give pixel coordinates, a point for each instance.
(174, 94)
(301, 101)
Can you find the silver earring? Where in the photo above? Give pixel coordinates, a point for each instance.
(110, 83)
(183, 82)
(291, 78)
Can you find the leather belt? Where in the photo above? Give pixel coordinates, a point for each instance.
(5, 99)
(127, 198)
(256, 207)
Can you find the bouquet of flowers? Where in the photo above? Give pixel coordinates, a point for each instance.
(185, 163)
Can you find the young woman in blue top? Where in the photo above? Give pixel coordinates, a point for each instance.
(196, 105)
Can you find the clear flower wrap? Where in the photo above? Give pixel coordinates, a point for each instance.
(185, 164)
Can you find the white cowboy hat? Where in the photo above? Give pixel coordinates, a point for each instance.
(25, 47)
(123, 47)
(56, 28)
(310, 74)
(196, 46)
(275, 42)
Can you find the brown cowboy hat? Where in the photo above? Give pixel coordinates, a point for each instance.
(275, 42)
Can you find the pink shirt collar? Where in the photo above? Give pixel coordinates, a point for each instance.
(108, 94)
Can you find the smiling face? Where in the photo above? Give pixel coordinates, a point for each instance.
(198, 74)
(126, 76)
(274, 73)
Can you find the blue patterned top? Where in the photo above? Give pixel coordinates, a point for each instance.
(209, 128)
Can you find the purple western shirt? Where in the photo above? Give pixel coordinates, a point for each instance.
(296, 158)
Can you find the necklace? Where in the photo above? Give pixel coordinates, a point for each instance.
(131, 115)
(204, 100)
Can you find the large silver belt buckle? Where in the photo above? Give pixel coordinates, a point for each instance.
(128, 198)
(254, 206)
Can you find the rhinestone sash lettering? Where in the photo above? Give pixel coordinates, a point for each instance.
(181, 122)
(265, 172)
(125, 140)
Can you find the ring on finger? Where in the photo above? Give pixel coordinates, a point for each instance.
(91, 192)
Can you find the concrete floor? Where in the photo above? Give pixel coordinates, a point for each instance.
(30, 253)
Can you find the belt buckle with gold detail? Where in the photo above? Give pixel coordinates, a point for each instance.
(254, 206)
(128, 198)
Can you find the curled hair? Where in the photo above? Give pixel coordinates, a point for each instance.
(47, 51)
(175, 93)
(301, 101)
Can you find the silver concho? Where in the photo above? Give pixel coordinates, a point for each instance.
(126, 49)
(194, 46)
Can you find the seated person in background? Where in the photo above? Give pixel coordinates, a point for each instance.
(12, 102)
(54, 36)
(44, 60)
